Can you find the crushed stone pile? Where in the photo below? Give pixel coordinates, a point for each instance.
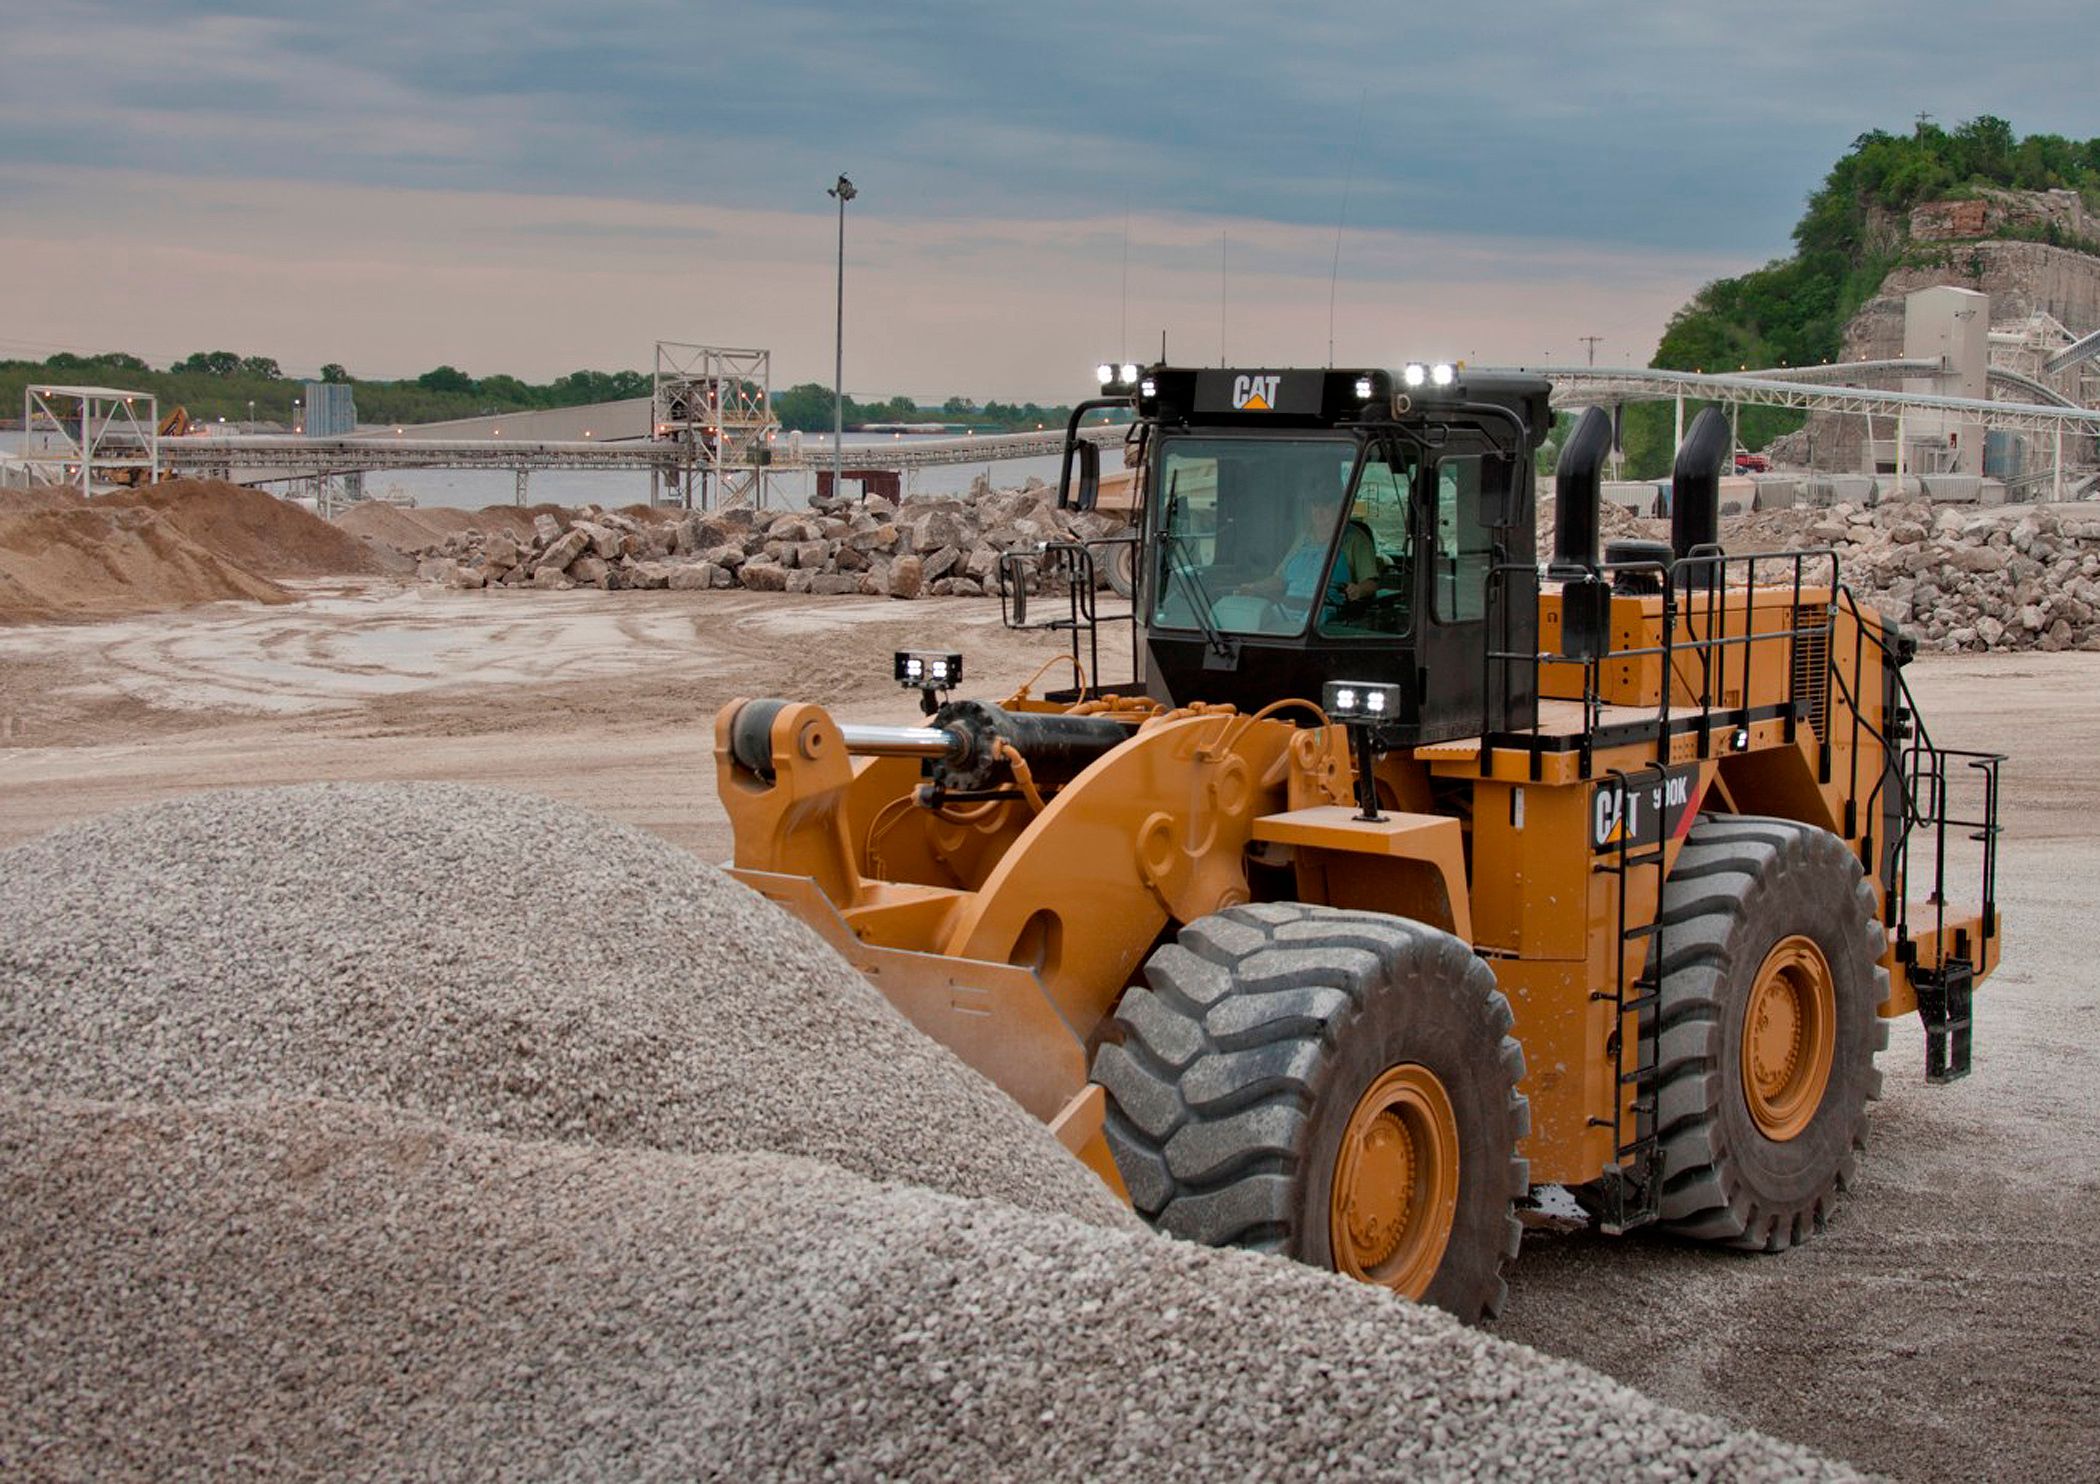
(317, 1291)
(497, 961)
(939, 546)
(252, 528)
(1969, 578)
(87, 561)
(1958, 576)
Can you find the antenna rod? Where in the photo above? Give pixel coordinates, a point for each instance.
(1123, 324)
(1334, 274)
(1223, 239)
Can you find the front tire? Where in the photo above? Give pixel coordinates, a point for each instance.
(1771, 988)
(1335, 1086)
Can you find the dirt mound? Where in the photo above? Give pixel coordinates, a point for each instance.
(103, 561)
(19, 501)
(252, 528)
(376, 520)
(496, 960)
(307, 1290)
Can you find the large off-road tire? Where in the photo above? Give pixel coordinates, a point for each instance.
(1121, 569)
(1771, 984)
(1339, 1087)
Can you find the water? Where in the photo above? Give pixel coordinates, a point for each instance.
(471, 489)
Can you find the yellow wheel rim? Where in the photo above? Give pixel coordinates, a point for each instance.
(1789, 1038)
(1396, 1182)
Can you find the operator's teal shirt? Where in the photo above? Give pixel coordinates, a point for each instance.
(1301, 575)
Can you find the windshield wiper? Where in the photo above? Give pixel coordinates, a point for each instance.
(1179, 565)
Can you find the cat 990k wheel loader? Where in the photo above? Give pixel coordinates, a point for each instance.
(1413, 872)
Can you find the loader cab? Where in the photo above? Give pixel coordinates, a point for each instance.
(1306, 526)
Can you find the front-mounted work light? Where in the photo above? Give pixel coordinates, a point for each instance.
(1416, 375)
(1119, 378)
(928, 673)
(1363, 707)
(1364, 388)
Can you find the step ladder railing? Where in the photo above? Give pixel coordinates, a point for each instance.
(1632, 1188)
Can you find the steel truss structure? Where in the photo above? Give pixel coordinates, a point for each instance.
(1604, 387)
(716, 404)
(71, 431)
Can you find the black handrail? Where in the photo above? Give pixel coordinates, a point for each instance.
(1073, 562)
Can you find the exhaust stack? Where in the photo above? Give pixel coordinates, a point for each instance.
(1577, 489)
(1695, 484)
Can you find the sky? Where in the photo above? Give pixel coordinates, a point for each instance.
(540, 186)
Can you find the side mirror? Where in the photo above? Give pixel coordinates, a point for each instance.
(1585, 619)
(1089, 477)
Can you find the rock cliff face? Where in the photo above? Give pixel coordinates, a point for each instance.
(2022, 278)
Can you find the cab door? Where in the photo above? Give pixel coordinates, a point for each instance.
(1466, 499)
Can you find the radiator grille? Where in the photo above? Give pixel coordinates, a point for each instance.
(1812, 666)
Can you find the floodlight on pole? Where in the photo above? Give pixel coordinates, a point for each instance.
(842, 192)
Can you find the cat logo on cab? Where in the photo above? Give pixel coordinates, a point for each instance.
(1254, 393)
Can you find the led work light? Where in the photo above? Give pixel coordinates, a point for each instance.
(1363, 707)
(927, 672)
(1354, 701)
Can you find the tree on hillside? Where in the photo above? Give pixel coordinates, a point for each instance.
(210, 363)
(334, 374)
(445, 379)
(807, 407)
(1793, 312)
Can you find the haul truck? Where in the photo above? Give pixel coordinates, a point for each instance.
(1412, 873)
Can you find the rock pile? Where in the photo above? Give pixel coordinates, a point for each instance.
(2014, 577)
(1959, 577)
(941, 546)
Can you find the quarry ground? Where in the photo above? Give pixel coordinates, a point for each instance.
(1947, 1324)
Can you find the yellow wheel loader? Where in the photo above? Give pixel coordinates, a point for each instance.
(1412, 873)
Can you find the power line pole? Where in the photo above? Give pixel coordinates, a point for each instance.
(842, 192)
(1591, 342)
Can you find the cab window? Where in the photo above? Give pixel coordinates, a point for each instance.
(1376, 551)
(1465, 542)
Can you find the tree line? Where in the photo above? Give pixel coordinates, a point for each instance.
(223, 384)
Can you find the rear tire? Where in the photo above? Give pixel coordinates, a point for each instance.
(1279, 1051)
(1771, 985)
(1122, 569)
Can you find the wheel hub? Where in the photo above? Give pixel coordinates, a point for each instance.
(1396, 1182)
(1789, 1038)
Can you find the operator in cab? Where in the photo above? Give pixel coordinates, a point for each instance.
(1354, 575)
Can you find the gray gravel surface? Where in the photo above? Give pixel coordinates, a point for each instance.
(309, 1289)
(497, 961)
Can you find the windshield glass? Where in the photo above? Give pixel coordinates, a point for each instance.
(1247, 532)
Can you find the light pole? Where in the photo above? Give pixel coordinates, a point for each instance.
(842, 192)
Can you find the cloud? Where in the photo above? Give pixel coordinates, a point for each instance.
(580, 178)
(392, 281)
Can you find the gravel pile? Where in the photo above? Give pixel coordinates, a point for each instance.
(319, 1291)
(938, 545)
(496, 961)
